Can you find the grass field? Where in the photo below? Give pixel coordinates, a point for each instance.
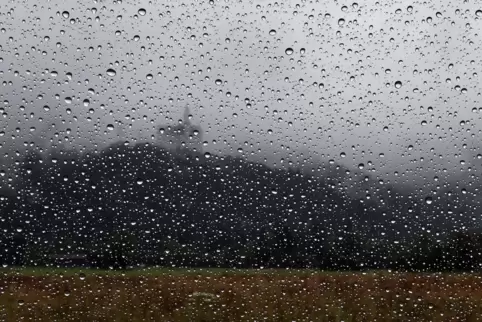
(236, 295)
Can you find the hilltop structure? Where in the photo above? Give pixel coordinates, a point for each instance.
(182, 137)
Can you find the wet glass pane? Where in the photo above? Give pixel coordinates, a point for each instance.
(240, 161)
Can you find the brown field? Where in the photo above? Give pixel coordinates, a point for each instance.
(250, 296)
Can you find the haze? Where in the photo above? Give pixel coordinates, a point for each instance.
(268, 80)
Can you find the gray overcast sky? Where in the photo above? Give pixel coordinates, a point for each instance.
(335, 91)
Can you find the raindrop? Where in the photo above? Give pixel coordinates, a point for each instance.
(478, 13)
(398, 84)
(141, 12)
(65, 14)
(111, 72)
(86, 102)
(149, 76)
(272, 32)
(207, 155)
(428, 200)
(218, 82)
(289, 51)
(341, 22)
(68, 100)
(82, 276)
(110, 127)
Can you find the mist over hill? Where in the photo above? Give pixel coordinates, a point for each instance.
(164, 201)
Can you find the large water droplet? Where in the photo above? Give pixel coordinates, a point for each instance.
(341, 22)
(65, 14)
(111, 72)
(398, 84)
(272, 32)
(289, 51)
(141, 12)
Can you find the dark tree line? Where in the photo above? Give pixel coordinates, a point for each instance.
(141, 204)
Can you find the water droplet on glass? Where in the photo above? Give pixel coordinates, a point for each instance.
(68, 100)
(110, 127)
(272, 32)
(65, 14)
(218, 82)
(398, 84)
(428, 200)
(289, 51)
(149, 76)
(82, 276)
(111, 72)
(478, 13)
(141, 12)
(341, 22)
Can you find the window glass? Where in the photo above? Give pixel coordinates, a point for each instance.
(240, 161)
